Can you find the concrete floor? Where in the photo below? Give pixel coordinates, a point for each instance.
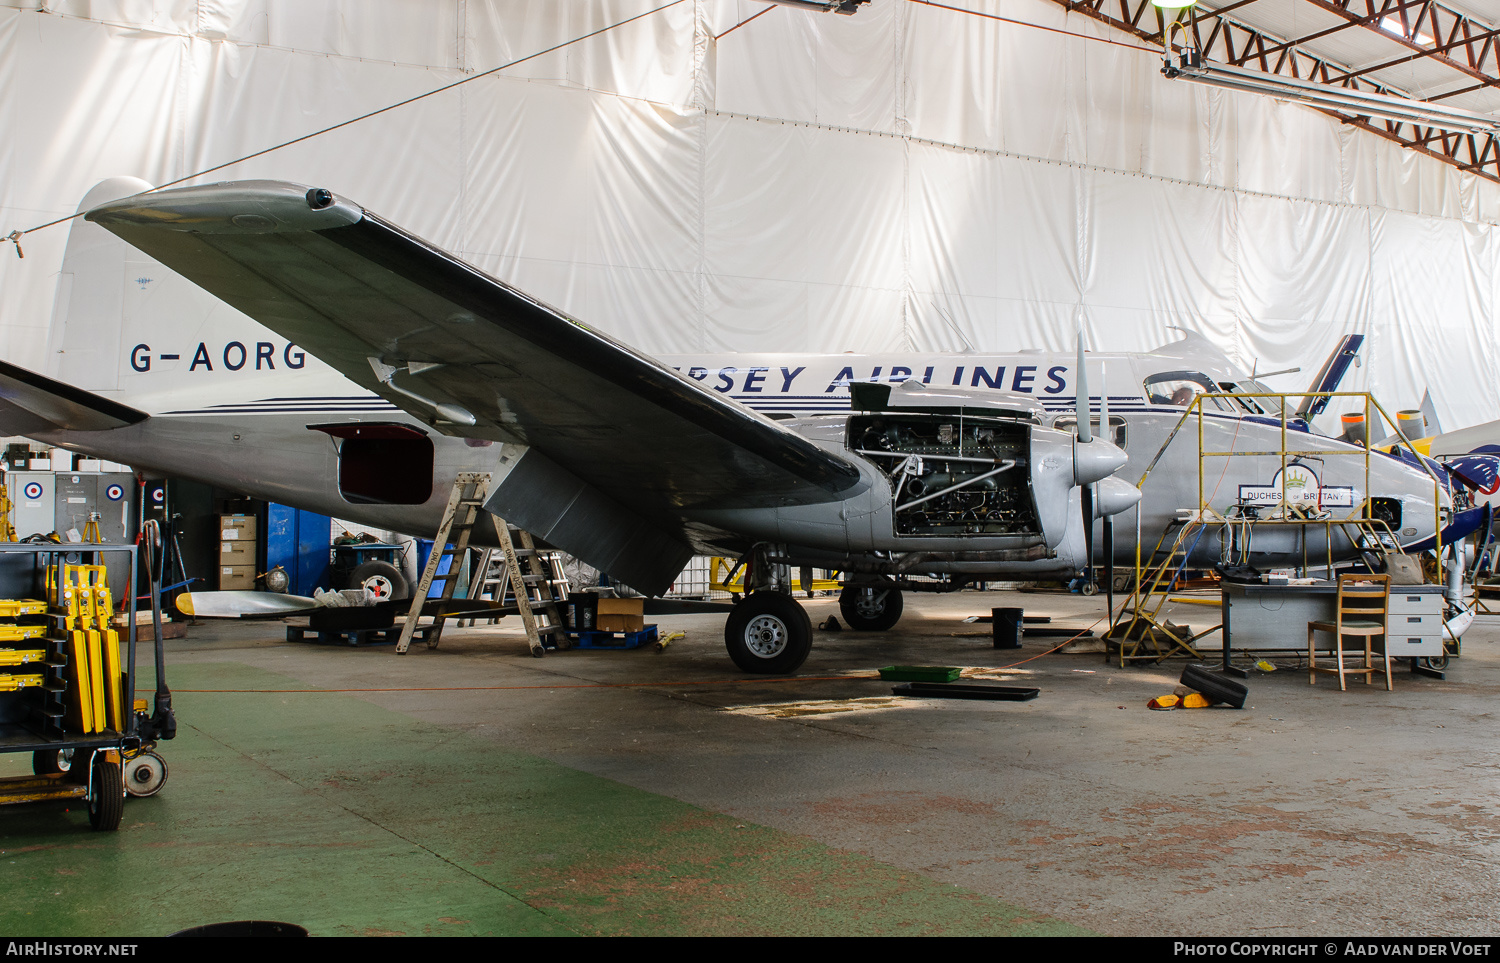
(1309, 812)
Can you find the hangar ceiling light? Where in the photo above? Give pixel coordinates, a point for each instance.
(846, 7)
(1190, 65)
(1415, 52)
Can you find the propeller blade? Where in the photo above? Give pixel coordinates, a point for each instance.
(1085, 436)
(1108, 435)
(239, 604)
(1109, 572)
(1104, 430)
(1081, 402)
(1086, 493)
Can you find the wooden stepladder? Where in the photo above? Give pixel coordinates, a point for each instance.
(465, 503)
(539, 590)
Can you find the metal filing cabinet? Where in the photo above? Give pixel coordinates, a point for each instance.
(110, 494)
(62, 502)
(34, 497)
(1414, 622)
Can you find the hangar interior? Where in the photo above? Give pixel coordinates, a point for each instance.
(895, 180)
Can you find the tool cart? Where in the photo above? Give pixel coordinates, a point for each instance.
(67, 696)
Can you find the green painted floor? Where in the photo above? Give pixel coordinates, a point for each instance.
(323, 810)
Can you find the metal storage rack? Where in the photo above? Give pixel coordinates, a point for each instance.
(33, 719)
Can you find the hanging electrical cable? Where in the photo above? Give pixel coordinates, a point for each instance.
(15, 236)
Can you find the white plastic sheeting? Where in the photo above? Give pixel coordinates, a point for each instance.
(909, 177)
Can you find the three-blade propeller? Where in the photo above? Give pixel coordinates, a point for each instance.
(1095, 460)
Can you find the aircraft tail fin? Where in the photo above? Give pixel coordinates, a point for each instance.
(31, 403)
(83, 341)
(1429, 414)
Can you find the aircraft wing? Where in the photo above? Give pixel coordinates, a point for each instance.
(625, 441)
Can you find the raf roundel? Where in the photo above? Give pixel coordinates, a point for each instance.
(32, 490)
(114, 493)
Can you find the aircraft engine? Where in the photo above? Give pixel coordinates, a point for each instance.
(951, 475)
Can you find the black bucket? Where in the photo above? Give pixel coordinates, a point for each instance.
(245, 928)
(1006, 625)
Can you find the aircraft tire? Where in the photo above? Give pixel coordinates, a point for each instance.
(768, 633)
(383, 578)
(107, 801)
(864, 613)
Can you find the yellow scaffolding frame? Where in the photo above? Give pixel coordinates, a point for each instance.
(1368, 526)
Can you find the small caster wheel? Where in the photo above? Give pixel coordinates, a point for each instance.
(145, 774)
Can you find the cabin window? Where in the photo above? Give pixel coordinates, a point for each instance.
(1180, 388)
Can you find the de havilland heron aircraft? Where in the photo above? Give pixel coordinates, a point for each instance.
(350, 368)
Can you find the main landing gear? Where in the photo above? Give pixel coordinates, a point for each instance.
(769, 633)
(871, 608)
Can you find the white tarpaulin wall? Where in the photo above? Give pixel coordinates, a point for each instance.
(909, 177)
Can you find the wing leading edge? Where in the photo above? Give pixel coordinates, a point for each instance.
(366, 297)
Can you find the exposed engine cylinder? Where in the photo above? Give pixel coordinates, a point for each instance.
(951, 474)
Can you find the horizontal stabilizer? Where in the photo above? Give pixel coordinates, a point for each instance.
(31, 403)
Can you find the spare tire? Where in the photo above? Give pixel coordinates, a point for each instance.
(1215, 687)
(383, 580)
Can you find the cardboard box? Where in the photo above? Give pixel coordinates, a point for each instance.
(621, 615)
(233, 577)
(237, 527)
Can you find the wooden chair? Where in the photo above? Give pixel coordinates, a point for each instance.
(1361, 612)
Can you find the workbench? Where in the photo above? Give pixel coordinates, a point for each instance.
(1262, 617)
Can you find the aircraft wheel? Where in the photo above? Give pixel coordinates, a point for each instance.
(768, 633)
(107, 801)
(871, 608)
(145, 774)
(382, 580)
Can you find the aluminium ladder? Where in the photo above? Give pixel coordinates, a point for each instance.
(464, 505)
(543, 574)
(539, 593)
